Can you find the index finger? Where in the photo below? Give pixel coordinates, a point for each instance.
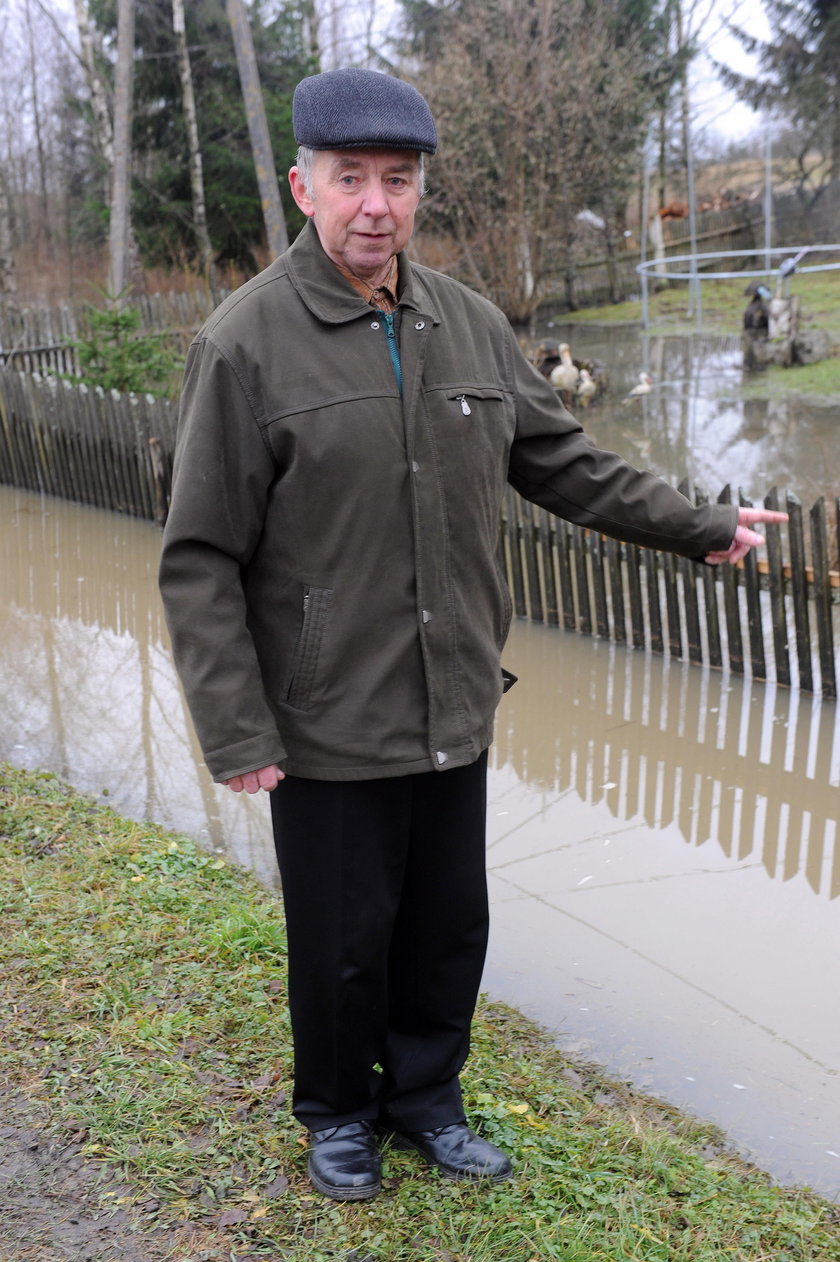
(747, 516)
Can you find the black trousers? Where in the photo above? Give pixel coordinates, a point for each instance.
(385, 890)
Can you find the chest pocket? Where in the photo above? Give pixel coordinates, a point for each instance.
(471, 396)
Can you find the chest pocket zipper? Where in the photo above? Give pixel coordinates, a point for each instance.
(472, 396)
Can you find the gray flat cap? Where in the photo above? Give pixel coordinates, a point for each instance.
(361, 109)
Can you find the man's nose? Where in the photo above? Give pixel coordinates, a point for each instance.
(374, 202)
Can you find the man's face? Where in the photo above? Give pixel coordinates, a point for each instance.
(363, 204)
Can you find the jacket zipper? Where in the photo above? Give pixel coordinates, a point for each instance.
(465, 407)
(393, 348)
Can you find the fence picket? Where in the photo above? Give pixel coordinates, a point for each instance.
(599, 585)
(582, 582)
(672, 604)
(799, 588)
(650, 565)
(564, 571)
(115, 452)
(822, 595)
(753, 596)
(634, 591)
(547, 533)
(619, 631)
(776, 584)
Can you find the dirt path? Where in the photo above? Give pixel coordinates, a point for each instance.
(58, 1206)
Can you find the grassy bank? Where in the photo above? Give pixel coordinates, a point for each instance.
(723, 304)
(143, 999)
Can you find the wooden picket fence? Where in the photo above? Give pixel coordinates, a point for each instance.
(774, 617)
(91, 446)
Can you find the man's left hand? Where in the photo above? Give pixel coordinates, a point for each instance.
(266, 778)
(744, 537)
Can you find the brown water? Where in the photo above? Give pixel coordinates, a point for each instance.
(663, 841)
(695, 423)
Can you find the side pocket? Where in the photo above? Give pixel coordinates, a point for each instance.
(317, 603)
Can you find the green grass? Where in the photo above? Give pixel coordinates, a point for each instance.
(723, 304)
(143, 999)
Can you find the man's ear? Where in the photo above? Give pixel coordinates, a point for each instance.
(300, 194)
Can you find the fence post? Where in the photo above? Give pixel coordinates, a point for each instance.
(776, 581)
(799, 588)
(822, 597)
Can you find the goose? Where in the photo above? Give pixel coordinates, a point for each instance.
(565, 376)
(587, 388)
(644, 386)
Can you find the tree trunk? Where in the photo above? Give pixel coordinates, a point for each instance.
(275, 224)
(39, 137)
(199, 205)
(8, 275)
(102, 130)
(121, 176)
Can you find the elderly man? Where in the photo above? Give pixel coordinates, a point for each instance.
(349, 423)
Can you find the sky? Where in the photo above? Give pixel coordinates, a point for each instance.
(717, 109)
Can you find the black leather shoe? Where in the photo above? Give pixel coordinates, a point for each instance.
(344, 1162)
(457, 1152)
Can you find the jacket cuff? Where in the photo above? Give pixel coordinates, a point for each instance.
(250, 755)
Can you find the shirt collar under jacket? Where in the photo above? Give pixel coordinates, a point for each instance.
(331, 297)
(380, 297)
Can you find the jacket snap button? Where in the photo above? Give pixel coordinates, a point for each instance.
(374, 324)
(427, 617)
(421, 324)
(415, 468)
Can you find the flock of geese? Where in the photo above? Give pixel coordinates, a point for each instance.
(578, 384)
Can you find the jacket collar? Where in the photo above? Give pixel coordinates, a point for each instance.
(332, 299)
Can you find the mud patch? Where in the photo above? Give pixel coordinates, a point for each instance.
(58, 1206)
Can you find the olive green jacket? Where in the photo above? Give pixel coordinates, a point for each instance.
(329, 565)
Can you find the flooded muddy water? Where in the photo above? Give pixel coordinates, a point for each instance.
(663, 841)
(697, 422)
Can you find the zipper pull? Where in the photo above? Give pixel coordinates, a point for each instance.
(465, 407)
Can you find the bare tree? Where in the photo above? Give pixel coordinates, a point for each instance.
(8, 274)
(538, 109)
(275, 223)
(119, 240)
(38, 126)
(102, 129)
(199, 205)
(347, 32)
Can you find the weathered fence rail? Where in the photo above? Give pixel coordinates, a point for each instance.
(774, 618)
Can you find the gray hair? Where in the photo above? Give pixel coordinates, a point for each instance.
(306, 157)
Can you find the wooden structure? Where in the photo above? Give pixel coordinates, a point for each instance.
(774, 617)
(88, 445)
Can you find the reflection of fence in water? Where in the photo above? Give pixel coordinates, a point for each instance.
(683, 748)
(747, 616)
(757, 779)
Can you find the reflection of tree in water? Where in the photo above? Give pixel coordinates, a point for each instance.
(696, 422)
(750, 767)
(86, 674)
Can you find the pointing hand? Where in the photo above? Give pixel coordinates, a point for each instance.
(744, 537)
